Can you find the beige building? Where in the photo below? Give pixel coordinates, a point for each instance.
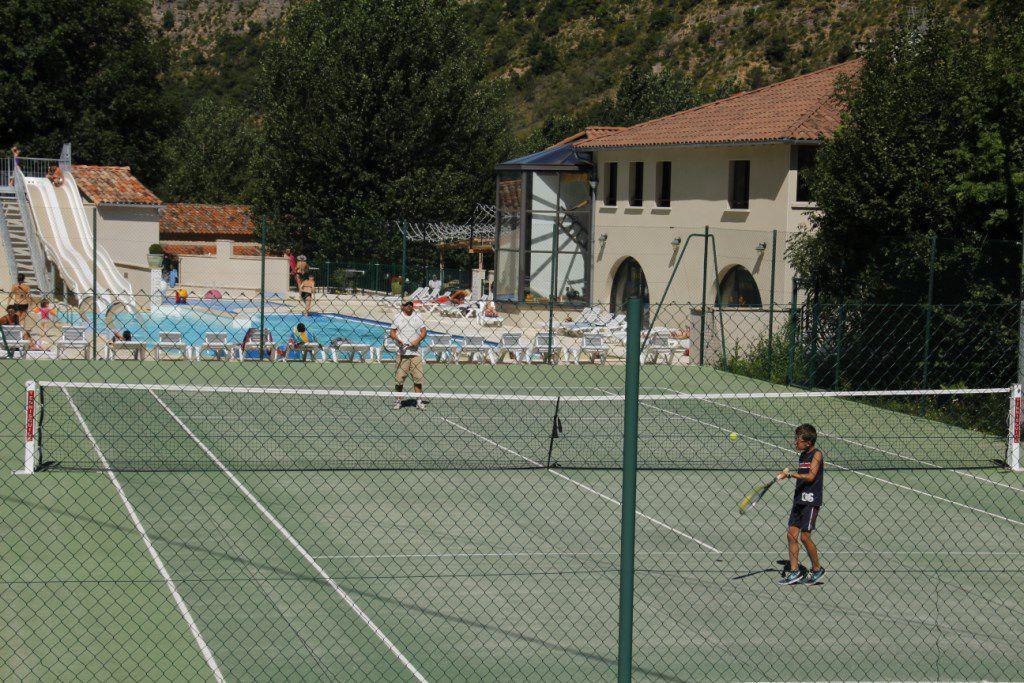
(127, 216)
(216, 247)
(736, 167)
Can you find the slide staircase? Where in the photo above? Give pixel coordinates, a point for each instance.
(24, 255)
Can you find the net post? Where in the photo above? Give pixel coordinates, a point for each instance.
(29, 464)
(634, 313)
(1014, 423)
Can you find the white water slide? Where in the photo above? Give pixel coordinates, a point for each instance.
(60, 219)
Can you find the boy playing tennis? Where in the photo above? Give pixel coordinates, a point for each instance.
(810, 476)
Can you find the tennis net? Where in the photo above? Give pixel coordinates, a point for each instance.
(162, 427)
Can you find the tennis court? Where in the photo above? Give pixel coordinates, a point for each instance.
(291, 535)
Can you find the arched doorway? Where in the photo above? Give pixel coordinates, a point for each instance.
(629, 283)
(738, 289)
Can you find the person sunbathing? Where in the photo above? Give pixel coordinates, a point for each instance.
(12, 317)
(303, 341)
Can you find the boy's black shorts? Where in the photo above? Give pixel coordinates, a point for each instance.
(804, 516)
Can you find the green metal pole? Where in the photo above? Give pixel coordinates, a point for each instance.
(95, 308)
(704, 291)
(554, 285)
(813, 364)
(792, 334)
(405, 246)
(839, 346)
(926, 361)
(928, 311)
(771, 304)
(634, 313)
(263, 284)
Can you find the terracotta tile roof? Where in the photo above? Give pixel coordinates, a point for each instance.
(801, 108)
(589, 133)
(206, 222)
(112, 185)
(187, 249)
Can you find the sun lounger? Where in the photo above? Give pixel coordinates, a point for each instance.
(477, 349)
(217, 344)
(170, 342)
(73, 337)
(511, 343)
(442, 348)
(593, 347)
(14, 339)
(658, 346)
(545, 349)
(136, 348)
(345, 350)
(250, 350)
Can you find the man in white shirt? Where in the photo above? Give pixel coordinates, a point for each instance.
(408, 331)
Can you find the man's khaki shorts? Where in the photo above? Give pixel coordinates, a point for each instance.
(409, 365)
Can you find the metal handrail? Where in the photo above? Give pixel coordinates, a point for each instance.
(31, 235)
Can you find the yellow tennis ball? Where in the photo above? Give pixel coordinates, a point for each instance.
(733, 436)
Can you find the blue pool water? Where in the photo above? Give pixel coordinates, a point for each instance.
(194, 324)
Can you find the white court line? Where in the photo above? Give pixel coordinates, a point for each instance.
(541, 553)
(853, 471)
(581, 485)
(298, 546)
(182, 607)
(863, 445)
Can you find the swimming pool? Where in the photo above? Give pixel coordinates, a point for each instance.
(194, 324)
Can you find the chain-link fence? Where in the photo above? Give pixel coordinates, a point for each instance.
(251, 487)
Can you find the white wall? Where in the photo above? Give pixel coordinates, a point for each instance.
(699, 196)
(229, 273)
(126, 232)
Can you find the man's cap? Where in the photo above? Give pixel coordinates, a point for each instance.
(408, 303)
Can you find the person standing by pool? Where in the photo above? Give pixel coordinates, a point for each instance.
(291, 262)
(408, 331)
(306, 288)
(301, 269)
(21, 295)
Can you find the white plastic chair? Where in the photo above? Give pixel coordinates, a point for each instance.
(73, 337)
(477, 349)
(217, 344)
(593, 347)
(170, 342)
(511, 343)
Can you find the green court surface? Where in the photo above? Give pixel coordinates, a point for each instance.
(487, 573)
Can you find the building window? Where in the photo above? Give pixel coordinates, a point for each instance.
(804, 164)
(629, 283)
(611, 184)
(739, 184)
(636, 183)
(663, 181)
(737, 289)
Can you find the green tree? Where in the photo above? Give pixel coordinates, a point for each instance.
(85, 71)
(209, 158)
(930, 144)
(373, 109)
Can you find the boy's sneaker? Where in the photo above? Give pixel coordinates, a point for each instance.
(398, 404)
(420, 404)
(791, 578)
(815, 576)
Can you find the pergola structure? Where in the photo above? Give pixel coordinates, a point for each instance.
(476, 234)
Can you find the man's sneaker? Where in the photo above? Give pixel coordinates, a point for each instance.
(791, 577)
(815, 576)
(421, 404)
(398, 404)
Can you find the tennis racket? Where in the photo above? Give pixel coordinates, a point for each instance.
(755, 496)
